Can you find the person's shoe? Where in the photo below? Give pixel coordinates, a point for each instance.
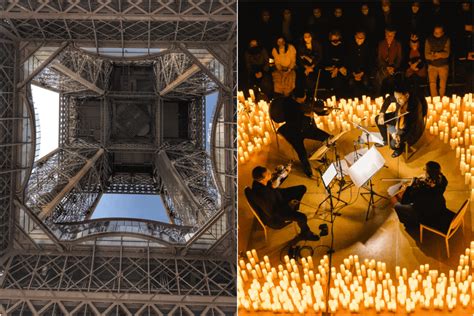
(397, 152)
(309, 236)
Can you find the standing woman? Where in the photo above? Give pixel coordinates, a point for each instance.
(309, 57)
(284, 76)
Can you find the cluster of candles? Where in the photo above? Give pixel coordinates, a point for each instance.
(254, 126)
(448, 118)
(301, 287)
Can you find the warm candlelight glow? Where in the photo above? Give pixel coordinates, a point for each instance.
(357, 286)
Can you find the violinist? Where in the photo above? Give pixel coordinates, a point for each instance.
(422, 201)
(406, 123)
(299, 125)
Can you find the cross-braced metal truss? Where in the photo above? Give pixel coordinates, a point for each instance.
(7, 124)
(112, 266)
(105, 284)
(121, 22)
(197, 121)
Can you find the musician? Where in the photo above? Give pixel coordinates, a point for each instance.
(299, 125)
(423, 201)
(406, 124)
(280, 204)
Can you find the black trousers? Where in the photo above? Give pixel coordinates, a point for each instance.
(296, 139)
(407, 214)
(287, 213)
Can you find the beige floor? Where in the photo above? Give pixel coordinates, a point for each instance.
(382, 237)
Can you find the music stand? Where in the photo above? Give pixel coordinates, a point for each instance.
(362, 171)
(332, 172)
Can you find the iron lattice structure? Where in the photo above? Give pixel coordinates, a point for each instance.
(101, 57)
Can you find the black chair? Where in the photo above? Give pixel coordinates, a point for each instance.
(262, 218)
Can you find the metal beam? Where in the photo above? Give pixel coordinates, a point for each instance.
(76, 77)
(48, 208)
(42, 66)
(117, 17)
(181, 78)
(196, 61)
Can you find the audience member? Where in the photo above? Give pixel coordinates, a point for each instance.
(336, 64)
(265, 30)
(416, 22)
(339, 21)
(389, 57)
(284, 75)
(416, 69)
(258, 70)
(385, 57)
(366, 20)
(385, 17)
(359, 64)
(437, 51)
(309, 57)
(318, 24)
(288, 27)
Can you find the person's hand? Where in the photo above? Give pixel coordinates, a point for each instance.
(381, 119)
(258, 75)
(343, 71)
(390, 70)
(414, 66)
(294, 204)
(334, 72)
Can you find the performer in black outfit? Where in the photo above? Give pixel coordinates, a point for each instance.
(299, 124)
(279, 205)
(423, 200)
(410, 126)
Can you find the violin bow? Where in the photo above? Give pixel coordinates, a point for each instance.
(317, 84)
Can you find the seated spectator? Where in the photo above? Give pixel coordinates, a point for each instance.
(416, 69)
(284, 76)
(258, 70)
(265, 30)
(309, 57)
(423, 200)
(288, 26)
(318, 24)
(279, 204)
(389, 57)
(336, 64)
(385, 17)
(366, 20)
(416, 22)
(437, 51)
(359, 64)
(339, 21)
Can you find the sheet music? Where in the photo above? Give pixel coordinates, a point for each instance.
(329, 175)
(366, 167)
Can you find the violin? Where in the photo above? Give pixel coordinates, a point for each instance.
(416, 183)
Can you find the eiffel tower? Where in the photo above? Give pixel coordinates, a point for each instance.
(132, 78)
